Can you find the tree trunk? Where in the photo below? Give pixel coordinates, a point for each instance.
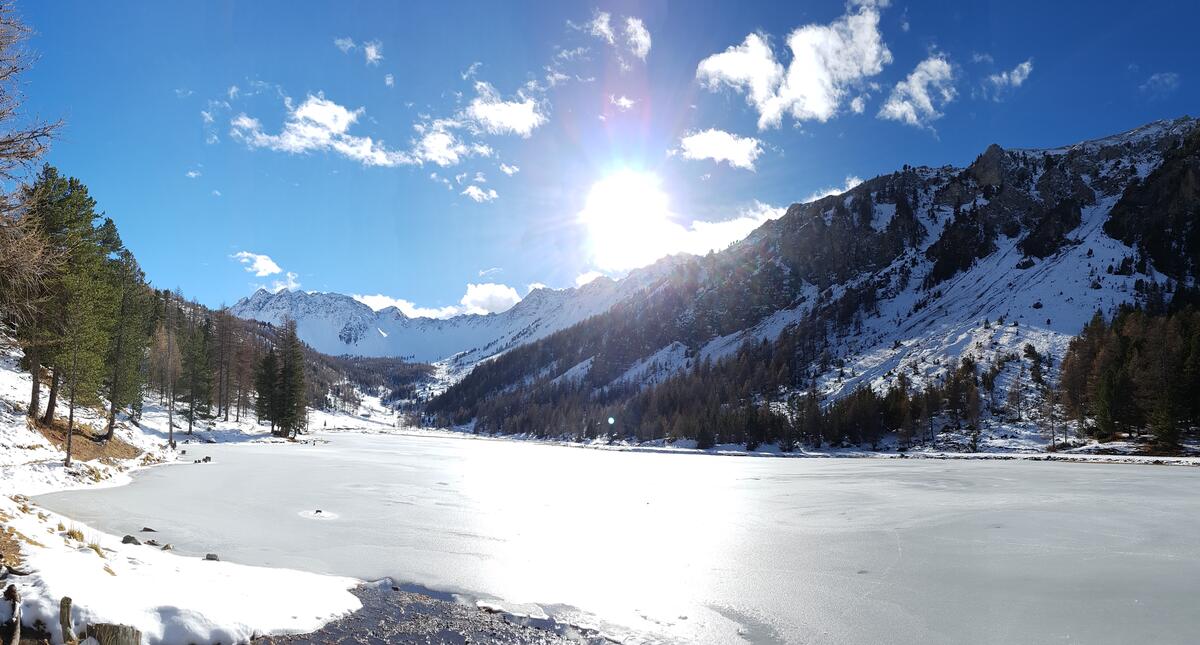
(35, 368)
(118, 354)
(70, 425)
(110, 634)
(10, 632)
(48, 418)
(64, 621)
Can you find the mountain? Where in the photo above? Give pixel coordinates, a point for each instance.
(337, 324)
(893, 281)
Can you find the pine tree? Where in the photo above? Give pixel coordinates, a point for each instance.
(293, 395)
(129, 338)
(83, 341)
(266, 384)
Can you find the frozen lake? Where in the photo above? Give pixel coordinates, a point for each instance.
(665, 547)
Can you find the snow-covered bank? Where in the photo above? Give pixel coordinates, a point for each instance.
(170, 598)
(1092, 452)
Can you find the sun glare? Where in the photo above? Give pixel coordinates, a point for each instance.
(628, 220)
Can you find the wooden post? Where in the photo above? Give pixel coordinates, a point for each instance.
(64, 621)
(10, 632)
(110, 634)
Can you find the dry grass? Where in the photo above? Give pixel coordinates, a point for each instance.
(96, 547)
(86, 445)
(10, 547)
(75, 534)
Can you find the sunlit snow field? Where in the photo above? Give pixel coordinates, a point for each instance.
(703, 548)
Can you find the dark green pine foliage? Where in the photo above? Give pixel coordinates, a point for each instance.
(66, 218)
(266, 382)
(197, 375)
(293, 395)
(132, 327)
(1138, 372)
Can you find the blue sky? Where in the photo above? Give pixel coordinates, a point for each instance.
(543, 143)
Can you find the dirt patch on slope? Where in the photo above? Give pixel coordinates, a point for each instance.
(87, 445)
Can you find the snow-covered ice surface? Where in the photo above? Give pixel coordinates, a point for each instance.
(171, 598)
(693, 548)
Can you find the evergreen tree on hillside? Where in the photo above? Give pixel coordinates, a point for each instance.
(266, 383)
(83, 340)
(293, 395)
(197, 375)
(130, 335)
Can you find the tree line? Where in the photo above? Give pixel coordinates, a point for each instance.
(1138, 372)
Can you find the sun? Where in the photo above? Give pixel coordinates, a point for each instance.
(628, 220)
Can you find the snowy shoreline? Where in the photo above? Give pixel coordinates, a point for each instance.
(176, 598)
(736, 450)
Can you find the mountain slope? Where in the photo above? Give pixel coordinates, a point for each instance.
(905, 273)
(337, 324)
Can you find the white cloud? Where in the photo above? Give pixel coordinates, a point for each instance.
(851, 182)
(533, 286)
(704, 236)
(489, 271)
(622, 102)
(1160, 84)
(497, 116)
(919, 98)
(262, 266)
(232, 92)
(828, 61)
(289, 281)
(601, 27)
(479, 299)
(718, 145)
(471, 70)
(626, 232)
(488, 297)
(373, 52)
(344, 44)
(584, 278)
(192, 174)
(183, 92)
(858, 104)
(389, 80)
(379, 302)
(206, 116)
(216, 193)
(1009, 79)
(637, 37)
(480, 195)
(318, 124)
(258, 264)
(438, 145)
(509, 170)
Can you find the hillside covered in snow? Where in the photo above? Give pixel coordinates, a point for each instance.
(890, 283)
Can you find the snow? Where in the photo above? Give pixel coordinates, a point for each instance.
(657, 367)
(883, 216)
(759, 549)
(337, 324)
(575, 374)
(171, 598)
